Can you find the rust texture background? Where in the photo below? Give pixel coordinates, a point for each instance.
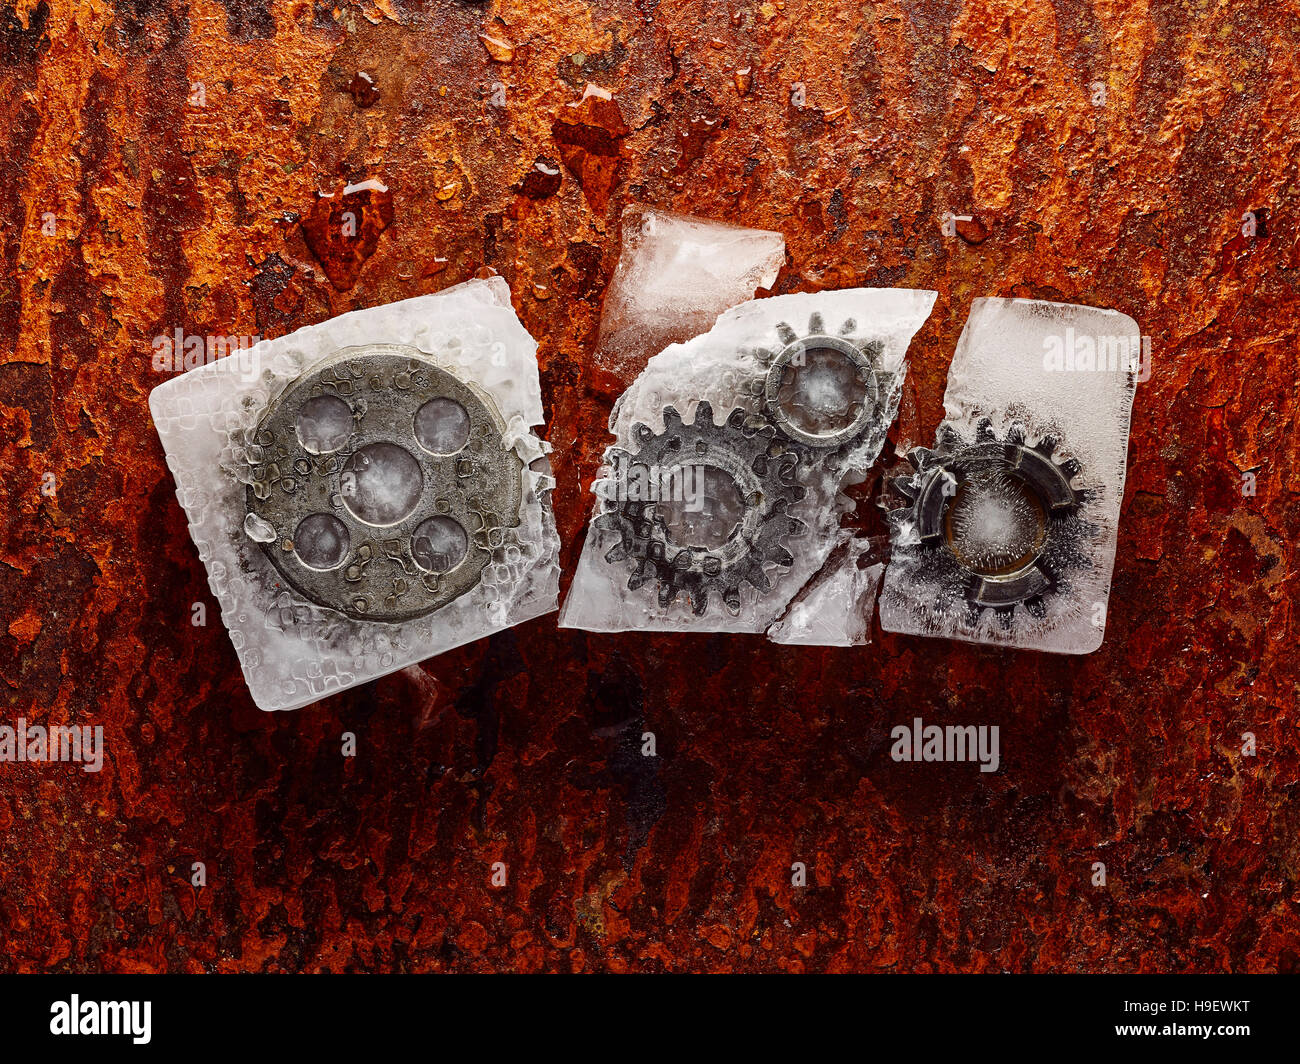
(161, 168)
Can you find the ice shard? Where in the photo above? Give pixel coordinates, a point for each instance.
(675, 275)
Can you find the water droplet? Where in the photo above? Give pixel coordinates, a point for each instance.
(258, 529)
(363, 90)
(499, 49)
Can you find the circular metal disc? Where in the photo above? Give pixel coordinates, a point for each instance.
(386, 482)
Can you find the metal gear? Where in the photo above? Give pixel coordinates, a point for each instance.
(821, 391)
(381, 484)
(998, 519)
(762, 470)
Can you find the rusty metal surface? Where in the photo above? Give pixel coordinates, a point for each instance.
(173, 165)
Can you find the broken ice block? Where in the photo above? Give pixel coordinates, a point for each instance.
(675, 275)
(1004, 531)
(836, 607)
(363, 492)
(754, 427)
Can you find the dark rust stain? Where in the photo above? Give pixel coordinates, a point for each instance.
(343, 228)
(590, 134)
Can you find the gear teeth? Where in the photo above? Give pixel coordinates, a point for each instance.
(1016, 434)
(1047, 445)
(984, 431)
(920, 458)
(731, 599)
(642, 432)
(849, 327)
(787, 334)
(1036, 607)
(766, 471)
(645, 573)
(1004, 617)
(902, 485)
(1071, 468)
(815, 323)
(948, 439)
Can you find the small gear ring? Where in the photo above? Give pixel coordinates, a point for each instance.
(821, 390)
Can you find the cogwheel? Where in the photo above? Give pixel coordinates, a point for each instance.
(821, 391)
(744, 480)
(998, 519)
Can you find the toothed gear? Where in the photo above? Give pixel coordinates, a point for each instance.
(960, 490)
(764, 470)
(859, 412)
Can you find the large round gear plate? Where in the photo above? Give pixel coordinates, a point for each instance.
(381, 484)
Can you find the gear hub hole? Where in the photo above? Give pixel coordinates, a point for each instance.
(439, 544)
(825, 394)
(321, 541)
(442, 426)
(707, 510)
(995, 524)
(324, 424)
(381, 483)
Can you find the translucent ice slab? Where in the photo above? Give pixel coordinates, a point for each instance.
(675, 275)
(1004, 532)
(293, 651)
(724, 376)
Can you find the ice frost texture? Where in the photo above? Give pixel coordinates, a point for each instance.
(823, 589)
(1063, 377)
(292, 651)
(675, 275)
